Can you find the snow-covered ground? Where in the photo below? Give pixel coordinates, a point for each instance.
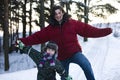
(103, 53)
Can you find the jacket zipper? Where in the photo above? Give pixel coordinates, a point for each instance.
(61, 32)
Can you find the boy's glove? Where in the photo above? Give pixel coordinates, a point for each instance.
(68, 78)
(19, 44)
(22, 47)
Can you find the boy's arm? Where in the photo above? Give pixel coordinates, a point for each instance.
(61, 71)
(22, 47)
(26, 49)
(33, 53)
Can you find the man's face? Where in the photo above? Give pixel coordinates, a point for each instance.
(58, 15)
(50, 51)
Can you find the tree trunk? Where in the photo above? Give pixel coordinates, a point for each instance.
(24, 18)
(30, 31)
(86, 17)
(6, 36)
(42, 17)
(52, 4)
(67, 7)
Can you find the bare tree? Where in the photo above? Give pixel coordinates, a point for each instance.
(24, 18)
(42, 17)
(86, 16)
(30, 17)
(6, 35)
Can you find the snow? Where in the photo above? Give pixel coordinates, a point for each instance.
(103, 54)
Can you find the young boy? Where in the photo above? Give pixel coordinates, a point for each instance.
(46, 61)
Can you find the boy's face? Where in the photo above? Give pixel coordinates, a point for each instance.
(50, 51)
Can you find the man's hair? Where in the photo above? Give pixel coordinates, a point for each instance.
(55, 7)
(52, 20)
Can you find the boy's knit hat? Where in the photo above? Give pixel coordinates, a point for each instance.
(51, 45)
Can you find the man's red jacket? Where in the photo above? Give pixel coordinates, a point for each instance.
(65, 36)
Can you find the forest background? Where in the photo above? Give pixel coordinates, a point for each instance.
(28, 16)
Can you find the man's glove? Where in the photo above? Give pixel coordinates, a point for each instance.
(19, 44)
(68, 78)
